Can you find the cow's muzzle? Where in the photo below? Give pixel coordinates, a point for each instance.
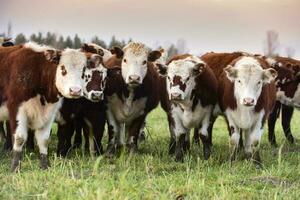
(134, 80)
(176, 96)
(97, 96)
(248, 102)
(75, 91)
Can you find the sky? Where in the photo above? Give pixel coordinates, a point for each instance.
(205, 25)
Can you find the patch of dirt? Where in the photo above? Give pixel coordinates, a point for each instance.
(275, 181)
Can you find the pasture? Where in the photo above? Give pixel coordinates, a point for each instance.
(153, 174)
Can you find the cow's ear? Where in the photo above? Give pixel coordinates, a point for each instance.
(162, 69)
(94, 61)
(199, 68)
(85, 47)
(231, 72)
(117, 51)
(269, 75)
(53, 55)
(153, 56)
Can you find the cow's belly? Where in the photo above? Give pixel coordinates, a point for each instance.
(39, 115)
(244, 118)
(125, 113)
(191, 119)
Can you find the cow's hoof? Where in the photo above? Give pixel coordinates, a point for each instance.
(16, 161)
(206, 152)
(179, 155)
(44, 161)
(291, 139)
(132, 148)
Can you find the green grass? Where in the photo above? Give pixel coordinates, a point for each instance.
(153, 174)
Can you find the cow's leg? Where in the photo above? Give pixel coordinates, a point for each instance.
(180, 133)
(9, 139)
(205, 136)
(117, 141)
(2, 132)
(30, 140)
(64, 133)
(133, 133)
(286, 117)
(42, 139)
(142, 134)
(272, 121)
(234, 138)
(78, 136)
(19, 126)
(252, 141)
(172, 144)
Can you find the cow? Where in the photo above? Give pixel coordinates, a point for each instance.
(34, 79)
(85, 113)
(132, 91)
(246, 97)
(288, 95)
(189, 99)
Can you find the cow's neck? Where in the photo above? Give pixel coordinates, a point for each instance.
(48, 88)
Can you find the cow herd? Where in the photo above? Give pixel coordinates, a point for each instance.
(84, 89)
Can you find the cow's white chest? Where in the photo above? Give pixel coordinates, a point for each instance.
(39, 115)
(128, 110)
(191, 119)
(243, 117)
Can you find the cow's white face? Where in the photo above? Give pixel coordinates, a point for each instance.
(94, 76)
(249, 77)
(135, 63)
(68, 73)
(181, 75)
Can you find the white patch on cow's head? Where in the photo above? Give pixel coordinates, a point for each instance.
(37, 48)
(94, 77)
(135, 62)
(249, 77)
(69, 71)
(181, 76)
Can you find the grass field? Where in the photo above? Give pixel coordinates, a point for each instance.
(152, 174)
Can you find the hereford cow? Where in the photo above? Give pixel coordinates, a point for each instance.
(131, 93)
(191, 94)
(33, 81)
(247, 95)
(288, 95)
(85, 113)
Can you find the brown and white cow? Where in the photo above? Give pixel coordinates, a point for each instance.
(247, 95)
(132, 91)
(287, 95)
(191, 95)
(33, 81)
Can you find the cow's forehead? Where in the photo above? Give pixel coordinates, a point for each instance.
(180, 68)
(247, 62)
(136, 49)
(72, 57)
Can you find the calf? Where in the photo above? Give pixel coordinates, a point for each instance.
(85, 113)
(33, 81)
(131, 93)
(247, 95)
(287, 95)
(191, 89)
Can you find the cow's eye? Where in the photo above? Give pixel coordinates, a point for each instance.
(144, 62)
(169, 78)
(239, 81)
(188, 78)
(259, 82)
(124, 60)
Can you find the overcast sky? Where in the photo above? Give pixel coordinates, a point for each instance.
(206, 25)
